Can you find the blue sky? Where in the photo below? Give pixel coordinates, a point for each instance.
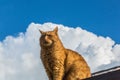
(101, 17)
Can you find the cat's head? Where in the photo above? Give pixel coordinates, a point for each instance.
(48, 38)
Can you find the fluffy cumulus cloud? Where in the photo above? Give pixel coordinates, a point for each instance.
(20, 59)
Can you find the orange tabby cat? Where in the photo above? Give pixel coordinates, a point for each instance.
(61, 63)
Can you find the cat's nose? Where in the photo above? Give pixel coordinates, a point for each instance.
(46, 37)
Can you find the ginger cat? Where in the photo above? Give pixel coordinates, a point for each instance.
(61, 63)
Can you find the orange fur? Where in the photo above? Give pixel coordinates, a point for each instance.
(61, 63)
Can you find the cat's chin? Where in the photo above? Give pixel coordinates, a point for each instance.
(47, 44)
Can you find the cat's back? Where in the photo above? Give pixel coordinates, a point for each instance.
(74, 61)
(73, 55)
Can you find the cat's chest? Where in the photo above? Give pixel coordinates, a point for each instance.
(48, 55)
(50, 58)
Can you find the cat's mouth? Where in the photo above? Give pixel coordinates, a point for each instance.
(46, 43)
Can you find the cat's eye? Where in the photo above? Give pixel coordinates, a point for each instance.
(49, 35)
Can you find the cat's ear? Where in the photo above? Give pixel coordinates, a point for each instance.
(41, 32)
(56, 29)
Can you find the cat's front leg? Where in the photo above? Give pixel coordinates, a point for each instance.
(58, 70)
(58, 73)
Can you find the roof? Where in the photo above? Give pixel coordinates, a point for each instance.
(109, 74)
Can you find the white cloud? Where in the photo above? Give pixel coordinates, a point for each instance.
(20, 59)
